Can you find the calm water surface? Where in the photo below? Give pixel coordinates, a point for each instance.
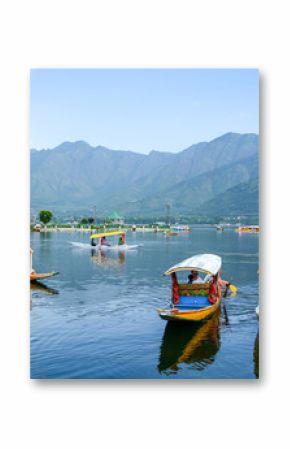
(97, 318)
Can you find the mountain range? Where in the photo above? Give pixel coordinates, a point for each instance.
(206, 178)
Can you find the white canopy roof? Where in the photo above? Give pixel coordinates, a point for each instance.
(207, 263)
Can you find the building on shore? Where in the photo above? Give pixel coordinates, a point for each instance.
(115, 219)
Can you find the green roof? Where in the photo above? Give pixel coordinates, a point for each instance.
(114, 216)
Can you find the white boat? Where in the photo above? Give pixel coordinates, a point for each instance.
(180, 228)
(124, 247)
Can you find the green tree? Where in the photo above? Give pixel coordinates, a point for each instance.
(45, 216)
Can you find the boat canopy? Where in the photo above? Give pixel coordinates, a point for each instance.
(106, 234)
(207, 263)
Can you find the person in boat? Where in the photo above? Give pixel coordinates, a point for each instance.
(223, 285)
(194, 278)
(122, 240)
(93, 242)
(104, 241)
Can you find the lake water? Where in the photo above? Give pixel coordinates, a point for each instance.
(98, 319)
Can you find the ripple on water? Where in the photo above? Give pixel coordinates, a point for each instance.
(103, 321)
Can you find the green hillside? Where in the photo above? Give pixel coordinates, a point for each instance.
(74, 175)
(242, 199)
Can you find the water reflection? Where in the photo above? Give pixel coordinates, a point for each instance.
(37, 286)
(40, 287)
(190, 343)
(256, 356)
(101, 257)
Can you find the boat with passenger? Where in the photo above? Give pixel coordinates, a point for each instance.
(197, 299)
(248, 229)
(180, 228)
(99, 240)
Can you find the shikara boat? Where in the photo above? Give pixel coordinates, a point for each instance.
(34, 276)
(197, 301)
(38, 276)
(120, 246)
(248, 229)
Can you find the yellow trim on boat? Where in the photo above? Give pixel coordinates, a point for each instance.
(106, 234)
(189, 315)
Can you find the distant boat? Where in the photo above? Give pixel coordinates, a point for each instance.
(194, 302)
(104, 245)
(37, 227)
(248, 229)
(180, 228)
(220, 227)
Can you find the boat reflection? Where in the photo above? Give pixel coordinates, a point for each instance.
(190, 343)
(101, 257)
(37, 286)
(256, 356)
(40, 287)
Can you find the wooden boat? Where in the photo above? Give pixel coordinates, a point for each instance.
(37, 276)
(34, 276)
(194, 302)
(248, 229)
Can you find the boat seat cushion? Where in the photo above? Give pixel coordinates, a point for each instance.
(193, 289)
(193, 302)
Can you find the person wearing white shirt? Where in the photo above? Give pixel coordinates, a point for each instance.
(194, 278)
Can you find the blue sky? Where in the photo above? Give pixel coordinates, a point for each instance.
(141, 109)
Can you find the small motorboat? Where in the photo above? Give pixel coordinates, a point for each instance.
(196, 301)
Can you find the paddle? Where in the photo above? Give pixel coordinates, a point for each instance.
(233, 290)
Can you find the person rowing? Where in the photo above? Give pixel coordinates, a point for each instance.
(104, 241)
(122, 240)
(93, 242)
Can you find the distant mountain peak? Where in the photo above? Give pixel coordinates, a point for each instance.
(75, 174)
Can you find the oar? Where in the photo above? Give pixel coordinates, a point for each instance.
(226, 316)
(233, 288)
